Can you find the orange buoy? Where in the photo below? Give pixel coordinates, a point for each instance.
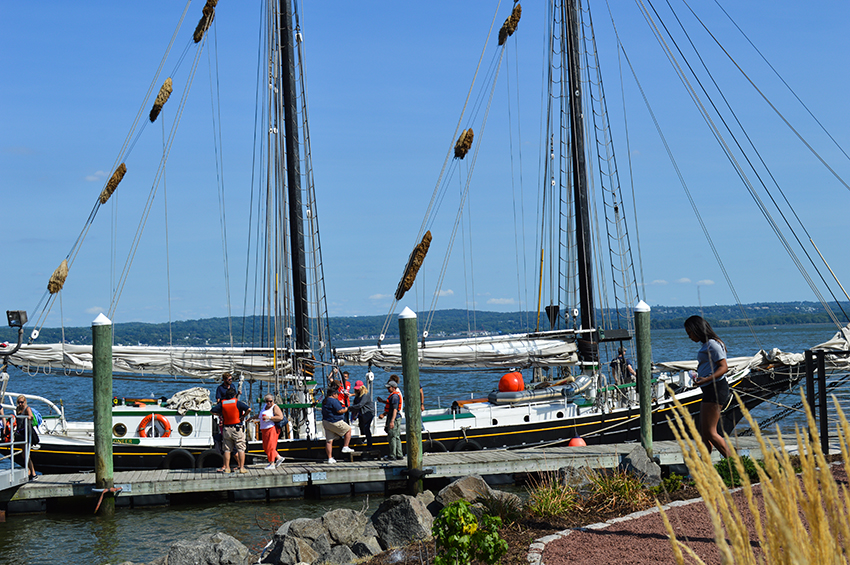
(576, 441)
(511, 382)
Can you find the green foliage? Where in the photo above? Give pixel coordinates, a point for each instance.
(673, 483)
(728, 471)
(609, 489)
(548, 498)
(461, 537)
(508, 508)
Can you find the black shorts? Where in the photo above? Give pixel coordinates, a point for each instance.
(716, 392)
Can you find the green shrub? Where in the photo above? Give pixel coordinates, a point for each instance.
(609, 489)
(673, 483)
(729, 472)
(460, 537)
(548, 498)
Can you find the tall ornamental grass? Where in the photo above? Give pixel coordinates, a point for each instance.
(805, 517)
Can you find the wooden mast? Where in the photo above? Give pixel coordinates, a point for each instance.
(579, 167)
(293, 173)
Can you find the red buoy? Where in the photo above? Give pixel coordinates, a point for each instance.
(576, 441)
(511, 382)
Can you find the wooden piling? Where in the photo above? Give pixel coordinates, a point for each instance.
(644, 373)
(102, 402)
(412, 408)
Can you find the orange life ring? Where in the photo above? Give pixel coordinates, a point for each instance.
(159, 418)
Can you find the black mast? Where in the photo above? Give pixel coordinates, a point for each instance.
(579, 166)
(293, 173)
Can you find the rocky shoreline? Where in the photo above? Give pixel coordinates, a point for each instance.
(340, 536)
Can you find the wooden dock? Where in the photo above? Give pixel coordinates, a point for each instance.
(319, 479)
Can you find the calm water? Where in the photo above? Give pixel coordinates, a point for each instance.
(142, 535)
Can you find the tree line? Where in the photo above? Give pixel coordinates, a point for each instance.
(249, 331)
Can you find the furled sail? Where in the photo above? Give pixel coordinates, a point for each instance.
(551, 349)
(201, 362)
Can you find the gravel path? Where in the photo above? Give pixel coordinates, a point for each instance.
(641, 538)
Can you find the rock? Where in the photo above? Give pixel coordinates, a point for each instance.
(468, 488)
(638, 463)
(209, 549)
(292, 550)
(322, 545)
(338, 555)
(401, 519)
(367, 547)
(344, 527)
(305, 528)
(508, 499)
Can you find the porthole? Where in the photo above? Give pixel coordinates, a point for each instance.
(560, 414)
(495, 422)
(185, 429)
(119, 430)
(526, 418)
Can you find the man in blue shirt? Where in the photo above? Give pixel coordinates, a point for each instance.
(333, 424)
(226, 383)
(621, 368)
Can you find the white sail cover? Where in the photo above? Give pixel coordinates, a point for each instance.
(201, 362)
(503, 351)
(839, 342)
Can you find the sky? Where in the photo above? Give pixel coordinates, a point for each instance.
(386, 84)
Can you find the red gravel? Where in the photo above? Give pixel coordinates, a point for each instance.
(644, 539)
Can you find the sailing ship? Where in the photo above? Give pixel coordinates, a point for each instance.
(569, 392)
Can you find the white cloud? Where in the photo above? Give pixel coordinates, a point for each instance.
(501, 301)
(658, 282)
(705, 282)
(448, 292)
(684, 280)
(380, 296)
(99, 175)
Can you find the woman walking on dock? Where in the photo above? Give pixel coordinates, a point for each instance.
(711, 378)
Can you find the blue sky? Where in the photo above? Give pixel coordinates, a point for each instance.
(386, 84)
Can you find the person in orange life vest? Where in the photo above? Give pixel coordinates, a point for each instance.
(233, 412)
(332, 411)
(392, 412)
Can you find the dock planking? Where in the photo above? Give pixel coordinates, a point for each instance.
(296, 476)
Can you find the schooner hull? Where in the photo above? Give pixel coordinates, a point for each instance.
(478, 425)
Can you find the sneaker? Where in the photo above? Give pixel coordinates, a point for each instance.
(331, 461)
(270, 466)
(278, 461)
(346, 449)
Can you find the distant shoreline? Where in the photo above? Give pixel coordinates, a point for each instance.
(445, 324)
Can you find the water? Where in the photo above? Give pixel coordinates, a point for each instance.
(143, 534)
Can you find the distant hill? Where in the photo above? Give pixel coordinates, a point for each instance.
(446, 323)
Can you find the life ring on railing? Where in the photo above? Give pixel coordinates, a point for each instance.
(159, 418)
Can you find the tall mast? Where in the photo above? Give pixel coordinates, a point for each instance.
(293, 174)
(579, 167)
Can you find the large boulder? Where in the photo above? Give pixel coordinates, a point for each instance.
(468, 488)
(401, 519)
(367, 547)
(304, 528)
(338, 555)
(209, 549)
(638, 463)
(345, 527)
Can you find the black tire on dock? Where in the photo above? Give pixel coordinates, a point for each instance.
(434, 446)
(467, 445)
(178, 459)
(210, 459)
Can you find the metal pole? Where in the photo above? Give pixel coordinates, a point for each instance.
(644, 373)
(412, 409)
(824, 421)
(102, 401)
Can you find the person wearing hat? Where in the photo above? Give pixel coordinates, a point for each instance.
(621, 368)
(362, 409)
(392, 410)
(333, 424)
